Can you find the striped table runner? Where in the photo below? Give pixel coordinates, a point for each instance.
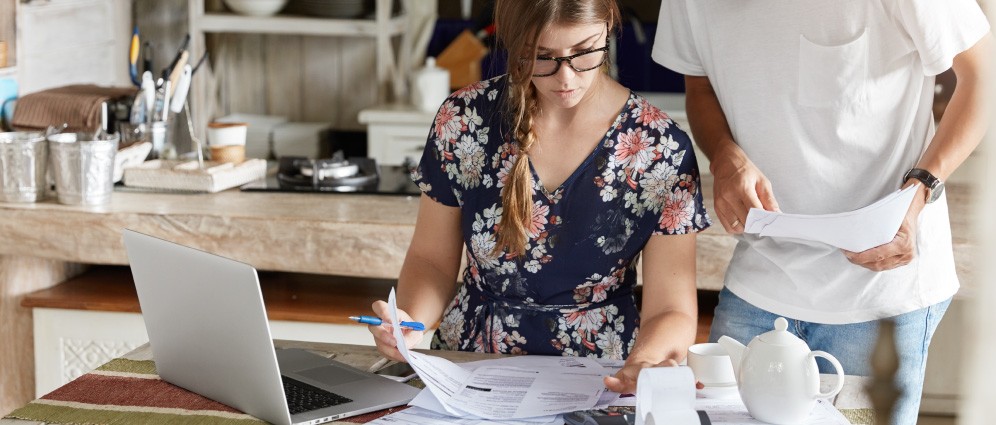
(125, 391)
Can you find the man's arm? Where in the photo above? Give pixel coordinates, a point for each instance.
(962, 127)
(738, 185)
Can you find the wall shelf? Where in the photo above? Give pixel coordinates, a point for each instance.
(299, 25)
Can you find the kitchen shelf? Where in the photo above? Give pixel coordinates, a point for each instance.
(299, 25)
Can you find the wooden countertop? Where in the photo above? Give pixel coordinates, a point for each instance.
(342, 234)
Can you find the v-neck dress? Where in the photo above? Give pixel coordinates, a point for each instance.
(571, 293)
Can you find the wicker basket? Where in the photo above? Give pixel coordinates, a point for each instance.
(187, 176)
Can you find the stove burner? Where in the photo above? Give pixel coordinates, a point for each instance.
(334, 174)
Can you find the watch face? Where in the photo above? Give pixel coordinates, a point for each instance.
(935, 192)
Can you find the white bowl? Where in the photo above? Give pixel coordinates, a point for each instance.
(256, 7)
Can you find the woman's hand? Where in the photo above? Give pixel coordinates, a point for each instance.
(383, 335)
(624, 382)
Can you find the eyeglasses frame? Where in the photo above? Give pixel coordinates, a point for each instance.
(560, 60)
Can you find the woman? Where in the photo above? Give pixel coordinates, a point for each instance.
(556, 178)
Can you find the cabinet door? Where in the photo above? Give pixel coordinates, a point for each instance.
(64, 42)
(393, 144)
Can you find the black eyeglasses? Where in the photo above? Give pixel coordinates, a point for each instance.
(588, 60)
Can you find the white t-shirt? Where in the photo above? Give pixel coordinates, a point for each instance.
(832, 101)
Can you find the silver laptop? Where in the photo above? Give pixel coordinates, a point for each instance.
(209, 334)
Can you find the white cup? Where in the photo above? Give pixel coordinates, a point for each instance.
(711, 365)
(227, 134)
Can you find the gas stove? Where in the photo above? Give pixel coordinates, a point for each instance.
(336, 175)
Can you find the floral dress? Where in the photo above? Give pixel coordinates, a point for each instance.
(571, 292)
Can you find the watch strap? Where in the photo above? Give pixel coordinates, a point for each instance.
(933, 184)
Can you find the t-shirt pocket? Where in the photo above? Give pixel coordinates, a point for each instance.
(833, 76)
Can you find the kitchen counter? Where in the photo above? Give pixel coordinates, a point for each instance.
(349, 235)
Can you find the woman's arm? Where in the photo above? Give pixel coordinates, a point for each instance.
(669, 314)
(428, 276)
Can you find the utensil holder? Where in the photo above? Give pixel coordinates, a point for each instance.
(23, 161)
(83, 169)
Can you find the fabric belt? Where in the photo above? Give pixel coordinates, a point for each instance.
(493, 302)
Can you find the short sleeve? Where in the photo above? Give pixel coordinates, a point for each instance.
(941, 29)
(683, 209)
(431, 175)
(674, 46)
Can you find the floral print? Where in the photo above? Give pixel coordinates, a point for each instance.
(571, 292)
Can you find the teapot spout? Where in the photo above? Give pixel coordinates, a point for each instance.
(736, 351)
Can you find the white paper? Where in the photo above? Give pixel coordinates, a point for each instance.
(512, 388)
(419, 416)
(733, 412)
(856, 231)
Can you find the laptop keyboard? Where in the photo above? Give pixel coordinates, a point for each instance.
(302, 397)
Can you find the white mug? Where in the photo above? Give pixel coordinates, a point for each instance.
(227, 134)
(711, 365)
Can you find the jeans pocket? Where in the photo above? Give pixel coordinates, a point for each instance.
(833, 76)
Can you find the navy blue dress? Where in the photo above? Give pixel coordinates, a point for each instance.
(571, 293)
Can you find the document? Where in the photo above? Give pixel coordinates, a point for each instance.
(511, 388)
(420, 416)
(733, 412)
(855, 231)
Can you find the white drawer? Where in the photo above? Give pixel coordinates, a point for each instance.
(391, 144)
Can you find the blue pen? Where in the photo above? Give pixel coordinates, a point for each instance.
(370, 320)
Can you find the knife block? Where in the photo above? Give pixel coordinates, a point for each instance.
(462, 58)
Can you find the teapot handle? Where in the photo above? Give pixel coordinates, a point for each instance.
(840, 372)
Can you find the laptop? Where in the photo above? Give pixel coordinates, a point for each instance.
(209, 334)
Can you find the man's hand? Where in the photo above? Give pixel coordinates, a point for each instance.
(902, 250)
(738, 186)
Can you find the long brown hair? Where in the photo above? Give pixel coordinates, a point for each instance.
(519, 23)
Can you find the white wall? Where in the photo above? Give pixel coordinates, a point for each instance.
(64, 42)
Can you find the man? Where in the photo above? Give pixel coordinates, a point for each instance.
(818, 107)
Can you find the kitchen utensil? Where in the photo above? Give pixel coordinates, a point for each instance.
(777, 375)
(133, 57)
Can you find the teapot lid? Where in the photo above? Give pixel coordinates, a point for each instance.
(780, 335)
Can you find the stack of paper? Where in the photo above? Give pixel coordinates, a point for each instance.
(857, 230)
(516, 390)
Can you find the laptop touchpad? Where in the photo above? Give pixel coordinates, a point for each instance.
(332, 375)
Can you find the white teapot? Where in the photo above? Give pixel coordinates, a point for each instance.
(777, 375)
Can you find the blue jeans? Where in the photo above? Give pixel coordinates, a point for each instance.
(851, 343)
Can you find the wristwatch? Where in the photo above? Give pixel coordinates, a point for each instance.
(934, 185)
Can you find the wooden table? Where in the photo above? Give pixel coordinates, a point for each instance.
(850, 398)
(349, 235)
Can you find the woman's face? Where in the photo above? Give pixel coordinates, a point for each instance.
(567, 87)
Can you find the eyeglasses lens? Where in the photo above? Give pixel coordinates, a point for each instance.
(581, 63)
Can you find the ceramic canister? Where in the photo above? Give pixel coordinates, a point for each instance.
(430, 86)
